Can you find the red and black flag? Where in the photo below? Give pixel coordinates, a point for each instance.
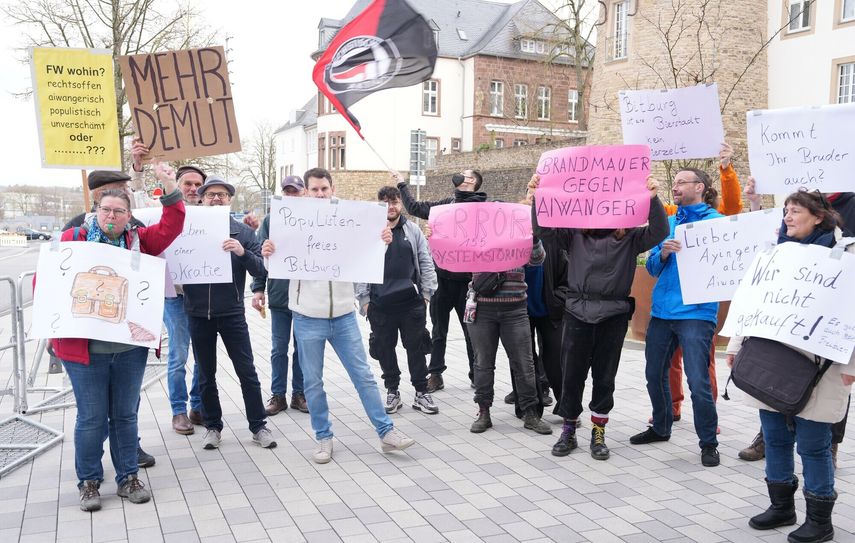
(388, 45)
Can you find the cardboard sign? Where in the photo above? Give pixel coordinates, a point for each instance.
(480, 237)
(715, 254)
(327, 240)
(799, 295)
(596, 186)
(75, 98)
(181, 102)
(197, 255)
(676, 123)
(802, 147)
(90, 290)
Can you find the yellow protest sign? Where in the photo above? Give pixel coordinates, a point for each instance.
(76, 108)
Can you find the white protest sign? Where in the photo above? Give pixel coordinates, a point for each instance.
(675, 123)
(328, 240)
(197, 255)
(810, 147)
(89, 290)
(714, 254)
(799, 295)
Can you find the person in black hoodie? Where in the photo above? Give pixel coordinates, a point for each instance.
(451, 286)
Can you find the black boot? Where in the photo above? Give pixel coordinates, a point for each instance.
(817, 526)
(483, 421)
(782, 512)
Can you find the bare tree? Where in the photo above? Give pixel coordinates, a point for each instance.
(258, 170)
(125, 27)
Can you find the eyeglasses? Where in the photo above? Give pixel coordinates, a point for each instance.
(117, 211)
(220, 195)
(680, 183)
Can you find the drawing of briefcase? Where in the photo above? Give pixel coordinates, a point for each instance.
(100, 294)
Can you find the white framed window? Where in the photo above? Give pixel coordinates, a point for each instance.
(431, 152)
(497, 98)
(544, 99)
(430, 97)
(846, 83)
(455, 144)
(520, 143)
(527, 45)
(800, 15)
(573, 105)
(620, 30)
(499, 143)
(847, 11)
(521, 101)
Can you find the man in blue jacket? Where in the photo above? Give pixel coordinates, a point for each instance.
(689, 325)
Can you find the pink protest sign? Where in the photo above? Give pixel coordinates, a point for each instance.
(480, 237)
(596, 186)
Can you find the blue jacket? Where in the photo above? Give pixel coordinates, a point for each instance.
(667, 296)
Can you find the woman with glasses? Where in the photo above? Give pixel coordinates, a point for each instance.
(106, 377)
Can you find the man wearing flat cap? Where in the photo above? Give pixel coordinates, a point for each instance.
(218, 309)
(280, 322)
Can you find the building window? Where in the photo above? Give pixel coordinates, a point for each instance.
(846, 83)
(497, 98)
(520, 143)
(322, 151)
(543, 103)
(431, 152)
(337, 152)
(799, 15)
(430, 97)
(521, 101)
(847, 11)
(499, 143)
(532, 46)
(573, 106)
(620, 30)
(455, 144)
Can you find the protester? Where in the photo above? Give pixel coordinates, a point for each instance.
(809, 219)
(280, 323)
(218, 309)
(689, 325)
(399, 304)
(600, 266)
(106, 377)
(451, 286)
(323, 311)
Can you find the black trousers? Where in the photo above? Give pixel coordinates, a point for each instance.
(594, 347)
(546, 351)
(415, 338)
(450, 295)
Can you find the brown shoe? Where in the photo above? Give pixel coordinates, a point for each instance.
(755, 451)
(298, 402)
(195, 416)
(435, 383)
(182, 425)
(277, 403)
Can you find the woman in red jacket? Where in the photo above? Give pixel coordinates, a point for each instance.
(106, 376)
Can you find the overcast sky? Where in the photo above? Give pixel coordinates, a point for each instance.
(269, 58)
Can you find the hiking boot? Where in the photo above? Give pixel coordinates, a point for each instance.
(424, 403)
(782, 511)
(323, 452)
(710, 457)
(565, 444)
(511, 398)
(395, 440)
(195, 417)
(264, 437)
(298, 402)
(211, 440)
(647, 436)
(599, 450)
(90, 498)
(435, 382)
(144, 460)
(393, 401)
(134, 490)
(756, 450)
(483, 421)
(817, 526)
(182, 425)
(276, 403)
(532, 421)
(834, 454)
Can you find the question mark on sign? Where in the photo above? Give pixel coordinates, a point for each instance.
(102, 71)
(63, 265)
(145, 288)
(55, 324)
(103, 149)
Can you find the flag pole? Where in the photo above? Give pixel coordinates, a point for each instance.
(377, 154)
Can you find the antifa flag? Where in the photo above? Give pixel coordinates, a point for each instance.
(388, 45)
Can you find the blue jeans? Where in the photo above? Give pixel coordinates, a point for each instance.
(814, 448)
(280, 322)
(695, 338)
(179, 346)
(343, 334)
(107, 392)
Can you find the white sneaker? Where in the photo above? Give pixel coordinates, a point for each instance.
(393, 401)
(211, 440)
(264, 438)
(395, 440)
(424, 403)
(323, 453)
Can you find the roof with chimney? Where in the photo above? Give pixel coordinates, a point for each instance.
(307, 115)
